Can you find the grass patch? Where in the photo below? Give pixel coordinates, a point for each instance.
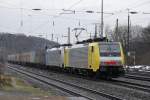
(5, 80)
(12, 84)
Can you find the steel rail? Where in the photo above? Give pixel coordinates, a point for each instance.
(91, 91)
(137, 77)
(132, 85)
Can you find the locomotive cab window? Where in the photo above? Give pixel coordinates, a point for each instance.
(110, 50)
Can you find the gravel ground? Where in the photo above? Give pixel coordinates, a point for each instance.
(9, 97)
(103, 86)
(36, 84)
(53, 93)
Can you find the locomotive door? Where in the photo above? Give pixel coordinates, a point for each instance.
(62, 57)
(90, 57)
(93, 57)
(66, 59)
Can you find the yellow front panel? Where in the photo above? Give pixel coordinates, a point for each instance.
(93, 56)
(122, 54)
(89, 57)
(66, 57)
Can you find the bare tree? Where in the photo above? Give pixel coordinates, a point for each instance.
(146, 34)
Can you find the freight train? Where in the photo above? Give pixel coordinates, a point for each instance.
(97, 58)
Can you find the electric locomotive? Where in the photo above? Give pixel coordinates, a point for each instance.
(98, 58)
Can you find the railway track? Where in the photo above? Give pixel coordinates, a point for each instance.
(71, 88)
(137, 77)
(132, 85)
(140, 73)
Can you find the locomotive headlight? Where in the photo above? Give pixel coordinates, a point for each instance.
(111, 63)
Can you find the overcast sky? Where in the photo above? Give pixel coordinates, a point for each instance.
(41, 22)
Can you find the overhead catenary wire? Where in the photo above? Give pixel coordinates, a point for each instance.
(132, 7)
(75, 4)
(70, 7)
(117, 12)
(11, 6)
(62, 17)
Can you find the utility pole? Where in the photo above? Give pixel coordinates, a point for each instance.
(116, 34)
(57, 39)
(97, 29)
(102, 22)
(52, 36)
(95, 36)
(21, 15)
(68, 35)
(128, 43)
(53, 30)
(79, 23)
(134, 58)
(46, 42)
(90, 35)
